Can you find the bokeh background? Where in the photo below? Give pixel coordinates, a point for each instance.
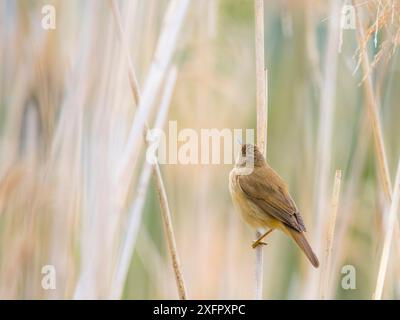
(66, 109)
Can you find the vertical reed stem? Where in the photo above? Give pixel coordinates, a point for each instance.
(166, 214)
(262, 112)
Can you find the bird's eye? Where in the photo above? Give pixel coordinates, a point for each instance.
(244, 151)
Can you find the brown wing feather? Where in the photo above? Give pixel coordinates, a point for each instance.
(271, 196)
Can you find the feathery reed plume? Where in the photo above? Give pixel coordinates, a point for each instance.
(388, 231)
(262, 119)
(330, 232)
(373, 114)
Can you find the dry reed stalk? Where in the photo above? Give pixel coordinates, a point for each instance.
(133, 83)
(127, 248)
(169, 232)
(327, 260)
(135, 212)
(372, 109)
(262, 114)
(311, 44)
(149, 254)
(260, 77)
(64, 166)
(172, 24)
(327, 106)
(391, 222)
(363, 141)
(259, 272)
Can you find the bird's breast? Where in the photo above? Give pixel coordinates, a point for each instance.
(249, 211)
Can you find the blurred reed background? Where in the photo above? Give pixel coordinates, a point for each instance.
(66, 110)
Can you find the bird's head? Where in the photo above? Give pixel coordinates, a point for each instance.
(250, 156)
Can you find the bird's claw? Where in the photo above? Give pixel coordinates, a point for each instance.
(256, 243)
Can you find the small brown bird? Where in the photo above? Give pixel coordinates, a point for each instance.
(263, 199)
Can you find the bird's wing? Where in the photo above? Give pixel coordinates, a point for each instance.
(271, 198)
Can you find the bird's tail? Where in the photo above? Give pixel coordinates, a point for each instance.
(303, 244)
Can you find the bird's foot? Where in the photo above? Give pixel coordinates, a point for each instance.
(257, 243)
